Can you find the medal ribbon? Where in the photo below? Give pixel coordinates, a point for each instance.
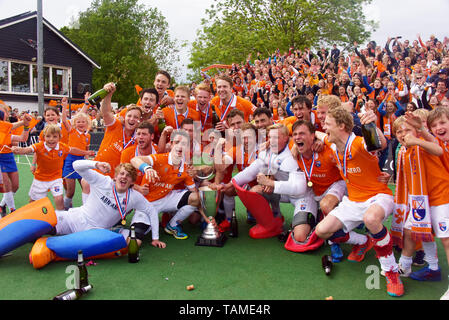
(176, 116)
(131, 141)
(207, 116)
(227, 107)
(347, 148)
(307, 171)
(117, 202)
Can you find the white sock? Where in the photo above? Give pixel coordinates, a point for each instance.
(406, 262)
(84, 197)
(229, 206)
(182, 214)
(356, 238)
(3, 202)
(9, 201)
(430, 254)
(388, 263)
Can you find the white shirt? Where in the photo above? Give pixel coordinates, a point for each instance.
(289, 179)
(100, 209)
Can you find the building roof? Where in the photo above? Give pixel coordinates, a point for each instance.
(33, 14)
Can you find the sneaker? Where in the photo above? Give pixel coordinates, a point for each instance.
(445, 296)
(395, 288)
(3, 211)
(426, 274)
(224, 226)
(359, 250)
(402, 272)
(336, 253)
(176, 231)
(418, 260)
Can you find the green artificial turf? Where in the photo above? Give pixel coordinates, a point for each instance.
(243, 269)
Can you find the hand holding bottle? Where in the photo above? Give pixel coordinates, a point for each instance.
(367, 117)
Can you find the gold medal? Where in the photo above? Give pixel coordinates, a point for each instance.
(310, 184)
(123, 222)
(347, 180)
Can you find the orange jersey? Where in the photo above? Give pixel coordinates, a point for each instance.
(236, 102)
(112, 145)
(49, 161)
(5, 135)
(362, 170)
(174, 119)
(437, 177)
(80, 140)
(205, 117)
(321, 170)
(132, 152)
(169, 177)
(445, 156)
(64, 134)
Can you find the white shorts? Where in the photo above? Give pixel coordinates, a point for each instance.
(166, 204)
(71, 221)
(351, 213)
(39, 189)
(337, 189)
(439, 216)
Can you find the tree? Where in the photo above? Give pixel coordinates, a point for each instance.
(235, 28)
(129, 41)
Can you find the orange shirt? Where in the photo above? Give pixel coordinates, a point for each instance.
(130, 153)
(174, 119)
(80, 140)
(437, 177)
(112, 145)
(49, 161)
(5, 136)
(362, 170)
(205, 117)
(236, 102)
(169, 177)
(445, 156)
(323, 169)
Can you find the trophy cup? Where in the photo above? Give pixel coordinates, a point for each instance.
(211, 236)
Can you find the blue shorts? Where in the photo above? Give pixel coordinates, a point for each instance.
(68, 171)
(8, 162)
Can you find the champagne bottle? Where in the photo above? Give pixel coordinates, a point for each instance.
(234, 226)
(369, 132)
(215, 118)
(326, 263)
(82, 271)
(133, 247)
(73, 294)
(99, 95)
(161, 124)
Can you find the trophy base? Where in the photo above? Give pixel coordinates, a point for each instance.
(219, 242)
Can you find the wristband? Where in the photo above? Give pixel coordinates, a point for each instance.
(143, 166)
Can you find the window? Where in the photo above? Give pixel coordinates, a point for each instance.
(4, 76)
(46, 79)
(60, 80)
(20, 77)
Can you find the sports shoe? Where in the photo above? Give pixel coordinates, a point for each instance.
(426, 274)
(402, 272)
(418, 260)
(336, 253)
(3, 211)
(250, 219)
(395, 288)
(359, 250)
(176, 231)
(224, 226)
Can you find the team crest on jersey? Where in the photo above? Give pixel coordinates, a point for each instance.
(60, 153)
(56, 189)
(179, 174)
(318, 164)
(279, 162)
(418, 208)
(442, 226)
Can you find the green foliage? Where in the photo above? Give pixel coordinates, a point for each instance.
(129, 41)
(235, 28)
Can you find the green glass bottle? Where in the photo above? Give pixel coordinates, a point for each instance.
(82, 271)
(73, 294)
(234, 226)
(133, 247)
(97, 96)
(369, 133)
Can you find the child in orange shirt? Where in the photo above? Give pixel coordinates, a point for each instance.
(50, 155)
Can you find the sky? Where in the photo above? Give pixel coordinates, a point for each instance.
(404, 18)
